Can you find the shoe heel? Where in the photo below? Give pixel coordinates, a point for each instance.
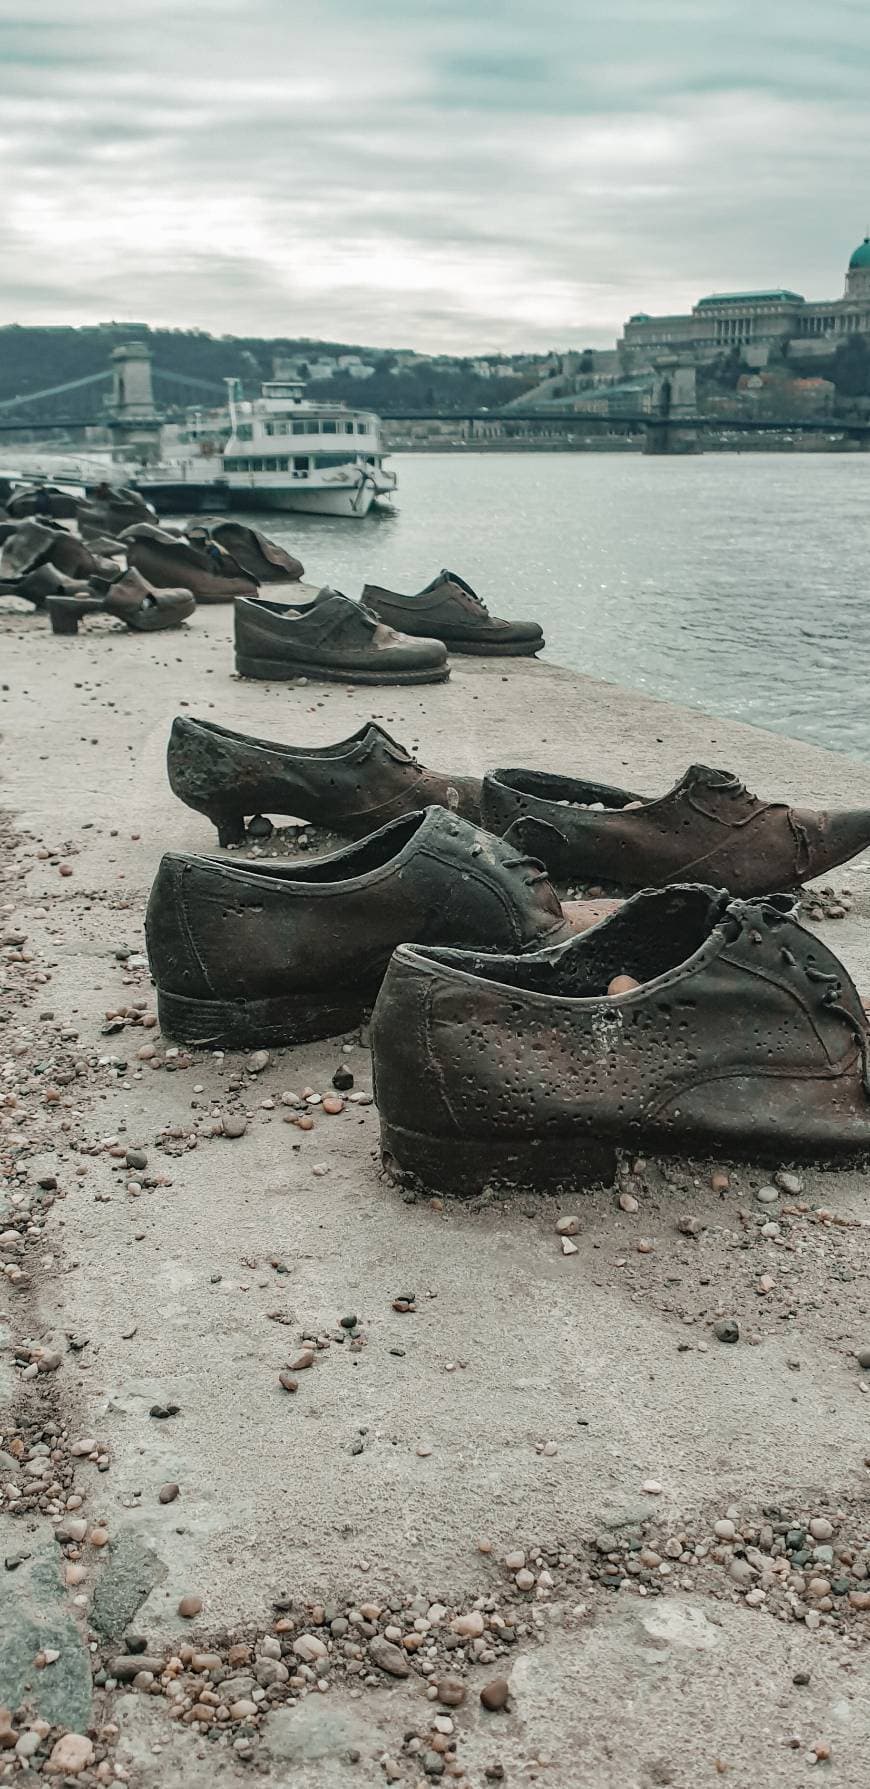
(63, 621)
(230, 827)
(463, 1166)
(249, 1024)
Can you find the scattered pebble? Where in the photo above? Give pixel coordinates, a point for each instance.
(726, 1329)
(167, 1493)
(190, 1606)
(567, 1226)
(494, 1695)
(569, 1247)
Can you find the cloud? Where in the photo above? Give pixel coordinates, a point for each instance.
(451, 176)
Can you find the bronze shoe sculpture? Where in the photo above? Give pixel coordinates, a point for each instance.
(126, 597)
(739, 1033)
(169, 562)
(331, 638)
(42, 500)
(351, 787)
(36, 543)
(44, 581)
(263, 559)
(449, 610)
(246, 954)
(708, 825)
(109, 510)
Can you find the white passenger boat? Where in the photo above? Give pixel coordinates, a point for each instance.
(280, 451)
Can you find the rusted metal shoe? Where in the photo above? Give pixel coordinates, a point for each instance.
(351, 787)
(449, 610)
(708, 825)
(245, 954)
(128, 598)
(171, 563)
(742, 1036)
(331, 638)
(263, 559)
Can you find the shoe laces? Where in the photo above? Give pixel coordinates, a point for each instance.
(533, 864)
(473, 600)
(778, 910)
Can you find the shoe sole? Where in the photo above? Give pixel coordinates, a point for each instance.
(248, 1024)
(266, 671)
(463, 1167)
(490, 649)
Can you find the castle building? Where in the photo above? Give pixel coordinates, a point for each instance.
(754, 322)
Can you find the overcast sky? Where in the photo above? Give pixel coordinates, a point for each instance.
(439, 174)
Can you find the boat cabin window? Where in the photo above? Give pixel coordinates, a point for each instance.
(334, 459)
(329, 428)
(306, 428)
(348, 428)
(300, 465)
(244, 431)
(362, 428)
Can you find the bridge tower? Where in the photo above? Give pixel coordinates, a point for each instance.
(133, 415)
(676, 407)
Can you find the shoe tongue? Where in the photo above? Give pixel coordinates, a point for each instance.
(708, 778)
(344, 607)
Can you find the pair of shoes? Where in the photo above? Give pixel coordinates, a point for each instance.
(262, 953)
(168, 562)
(383, 638)
(708, 825)
(126, 597)
(352, 787)
(687, 1023)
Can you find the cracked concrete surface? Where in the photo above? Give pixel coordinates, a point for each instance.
(179, 1296)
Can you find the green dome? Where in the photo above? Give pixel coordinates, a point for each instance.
(861, 257)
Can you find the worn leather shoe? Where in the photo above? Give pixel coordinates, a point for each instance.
(263, 559)
(742, 1036)
(332, 638)
(246, 954)
(449, 610)
(351, 787)
(171, 563)
(708, 825)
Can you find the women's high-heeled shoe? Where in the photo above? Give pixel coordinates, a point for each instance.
(127, 598)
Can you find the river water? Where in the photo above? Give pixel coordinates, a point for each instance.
(734, 583)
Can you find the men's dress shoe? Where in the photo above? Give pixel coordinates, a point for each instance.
(351, 787)
(127, 597)
(263, 558)
(449, 610)
(248, 954)
(707, 826)
(331, 638)
(744, 1038)
(169, 562)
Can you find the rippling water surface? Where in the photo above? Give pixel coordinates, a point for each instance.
(735, 583)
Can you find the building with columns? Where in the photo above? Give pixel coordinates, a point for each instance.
(754, 322)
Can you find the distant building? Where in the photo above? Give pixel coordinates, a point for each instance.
(754, 322)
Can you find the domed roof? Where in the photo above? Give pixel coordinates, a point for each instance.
(861, 257)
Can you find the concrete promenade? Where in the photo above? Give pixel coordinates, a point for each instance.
(526, 1403)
